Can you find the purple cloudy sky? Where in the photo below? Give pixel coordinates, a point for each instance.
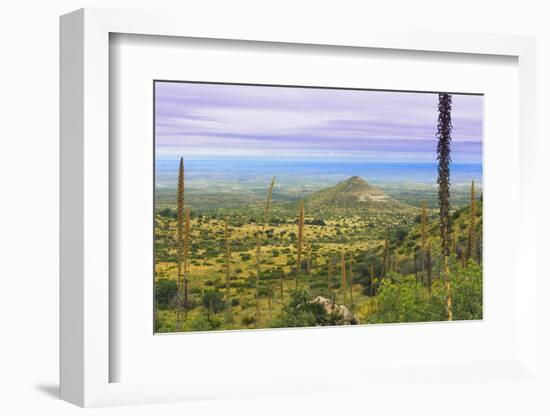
(208, 121)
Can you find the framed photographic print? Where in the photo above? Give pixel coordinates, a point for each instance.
(257, 211)
(288, 206)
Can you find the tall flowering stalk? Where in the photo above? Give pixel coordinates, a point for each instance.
(186, 244)
(423, 237)
(385, 258)
(472, 248)
(429, 268)
(308, 258)
(281, 275)
(227, 267)
(259, 240)
(423, 226)
(179, 243)
(343, 269)
(350, 278)
(415, 263)
(329, 273)
(372, 279)
(301, 221)
(444, 128)
(269, 294)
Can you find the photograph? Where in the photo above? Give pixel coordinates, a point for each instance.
(281, 206)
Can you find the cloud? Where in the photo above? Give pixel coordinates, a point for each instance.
(200, 120)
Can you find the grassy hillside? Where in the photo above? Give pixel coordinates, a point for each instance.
(345, 226)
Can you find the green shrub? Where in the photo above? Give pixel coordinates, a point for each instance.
(301, 312)
(202, 323)
(248, 320)
(212, 299)
(165, 291)
(404, 299)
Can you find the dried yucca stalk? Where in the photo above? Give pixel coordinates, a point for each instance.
(281, 275)
(269, 299)
(179, 243)
(186, 244)
(462, 257)
(454, 245)
(480, 244)
(423, 236)
(343, 271)
(385, 258)
(350, 278)
(372, 291)
(308, 253)
(423, 226)
(471, 249)
(227, 267)
(259, 240)
(300, 241)
(329, 273)
(415, 263)
(444, 128)
(429, 268)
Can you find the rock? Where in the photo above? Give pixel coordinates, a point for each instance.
(330, 307)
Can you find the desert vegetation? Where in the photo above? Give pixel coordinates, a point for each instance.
(348, 253)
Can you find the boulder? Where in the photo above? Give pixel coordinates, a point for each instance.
(330, 307)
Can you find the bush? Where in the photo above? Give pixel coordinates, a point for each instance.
(300, 312)
(165, 291)
(212, 299)
(202, 323)
(248, 320)
(245, 256)
(163, 323)
(195, 290)
(168, 213)
(403, 299)
(316, 221)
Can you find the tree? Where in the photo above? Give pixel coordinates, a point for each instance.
(444, 128)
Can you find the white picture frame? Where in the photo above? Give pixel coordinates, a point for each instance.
(85, 212)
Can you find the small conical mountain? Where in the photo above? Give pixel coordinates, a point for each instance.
(353, 193)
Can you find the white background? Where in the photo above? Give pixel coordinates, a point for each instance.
(29, 209)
